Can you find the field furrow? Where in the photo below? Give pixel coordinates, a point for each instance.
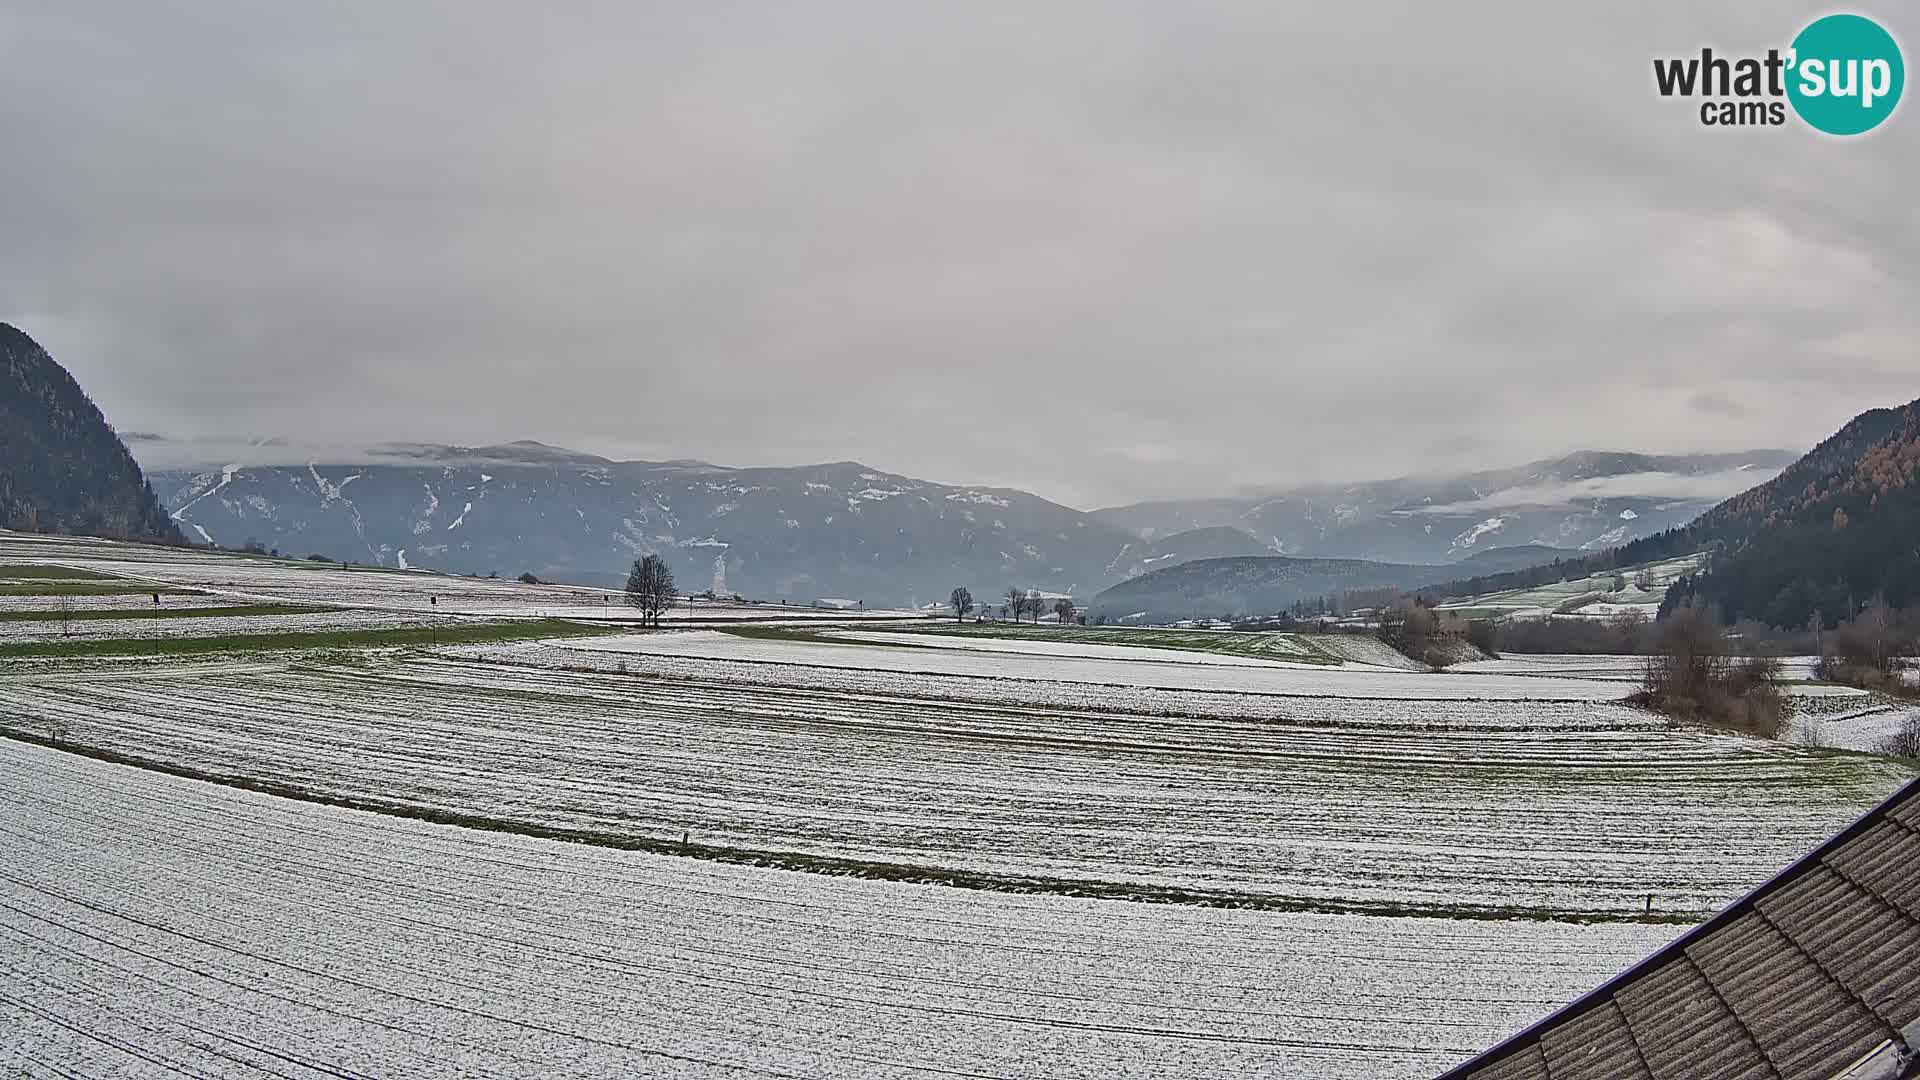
(1337, 804)
(155, 925)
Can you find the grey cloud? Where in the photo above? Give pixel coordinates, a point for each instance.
(1098, 250)
(1716, 403)
(1650, 485)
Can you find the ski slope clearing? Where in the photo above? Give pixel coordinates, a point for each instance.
(1352, 806)
(1229, 674)
(260, 579)
(1584, 597)
(159, 926)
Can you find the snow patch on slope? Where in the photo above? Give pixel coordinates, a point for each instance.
(1472, 536)
(979, 498)
(226, 477)
(425, 523)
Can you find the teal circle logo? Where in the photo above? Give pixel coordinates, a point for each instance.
(1846, 74)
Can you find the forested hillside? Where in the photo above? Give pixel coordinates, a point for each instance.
(62, 468)
(1837, 529)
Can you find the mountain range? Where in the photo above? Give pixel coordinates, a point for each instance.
(1813, 539)
(847, 530)
(1590, 500)
(840, 530)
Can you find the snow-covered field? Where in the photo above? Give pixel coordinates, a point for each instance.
(151, 925)
(156, 926)
(1616, 667)
(1200, 671)
(1049, 693)
(1865, 723)
(1629, 670)
(1350, 804)
(236, 578)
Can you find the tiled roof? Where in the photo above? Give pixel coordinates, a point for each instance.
(1814, 975)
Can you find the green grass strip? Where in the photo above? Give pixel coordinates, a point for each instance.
(86, 614)
(450, 634)
(58, 587)
(64, 573)
(1256, 644)
(809, 634)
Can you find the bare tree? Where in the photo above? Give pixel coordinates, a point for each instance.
(1869, 639)
(65, 608)
(1016, 601)
(962, 601)
(1063, 610)
(650, 588)
(1869, 650)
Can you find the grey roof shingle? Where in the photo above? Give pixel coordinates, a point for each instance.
(1798, 980)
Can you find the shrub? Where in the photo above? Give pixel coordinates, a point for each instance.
(1482, 635)
(1692, 676)
(1905, 740)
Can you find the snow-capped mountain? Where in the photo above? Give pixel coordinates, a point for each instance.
(799, 534)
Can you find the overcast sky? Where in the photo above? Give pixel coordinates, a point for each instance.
(1101, 251)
